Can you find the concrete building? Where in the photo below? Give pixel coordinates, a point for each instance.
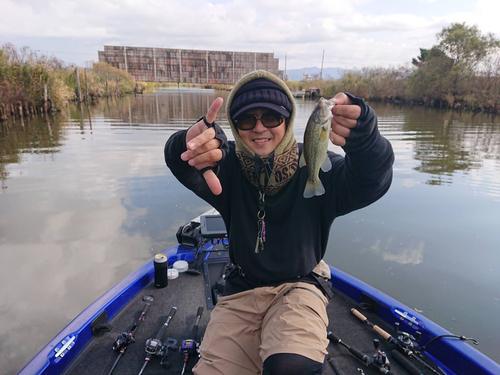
(191, 66)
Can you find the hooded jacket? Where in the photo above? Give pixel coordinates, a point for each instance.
(297, 228)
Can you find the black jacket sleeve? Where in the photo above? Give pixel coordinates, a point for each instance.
(365, 173)
(189, 176)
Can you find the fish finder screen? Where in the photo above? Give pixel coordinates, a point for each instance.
(213, 226)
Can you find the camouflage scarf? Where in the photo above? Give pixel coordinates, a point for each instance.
(275, 172)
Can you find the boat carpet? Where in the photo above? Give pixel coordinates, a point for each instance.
(187, 293)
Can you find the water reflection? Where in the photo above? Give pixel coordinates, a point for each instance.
(35, 135)
(172, 107)
(449, 142)
(407, 255)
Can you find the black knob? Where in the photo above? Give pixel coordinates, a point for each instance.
(418, 335)
(376, 343)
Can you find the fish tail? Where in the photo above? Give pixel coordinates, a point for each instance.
(313, 188)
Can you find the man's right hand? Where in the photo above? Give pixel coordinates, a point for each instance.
(203, 150)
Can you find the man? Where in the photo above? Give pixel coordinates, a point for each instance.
(272, 318)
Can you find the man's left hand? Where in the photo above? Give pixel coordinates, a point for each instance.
(345, 117)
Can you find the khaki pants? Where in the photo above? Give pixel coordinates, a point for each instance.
(247, 327)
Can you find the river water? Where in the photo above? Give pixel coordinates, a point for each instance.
(86, 198)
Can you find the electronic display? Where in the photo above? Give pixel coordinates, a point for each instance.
(212, 226)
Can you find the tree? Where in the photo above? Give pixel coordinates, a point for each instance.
(431, 81)
(445, 71)
(466, 44)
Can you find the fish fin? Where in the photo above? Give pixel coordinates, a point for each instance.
(327, 164)
(313, 189)
(302, 160)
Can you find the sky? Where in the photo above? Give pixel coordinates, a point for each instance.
(352, 34)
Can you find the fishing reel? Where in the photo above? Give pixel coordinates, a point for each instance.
(406, 340)
(123, 340)
(189, 348)
(379, 358)
(157, 348)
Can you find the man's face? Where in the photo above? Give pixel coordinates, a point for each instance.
(261, 140)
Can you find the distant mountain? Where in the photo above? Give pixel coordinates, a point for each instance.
(297, 74)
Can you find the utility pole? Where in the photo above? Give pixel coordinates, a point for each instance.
(321, 73)
(285, 77)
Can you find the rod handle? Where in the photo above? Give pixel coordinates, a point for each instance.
(382, 333)
(145, 309)
(358, 315)
(199, 312)
(197, 322)
(410, 367)
(334, 339)
(377, 329)
(359, 355)
(163, 329)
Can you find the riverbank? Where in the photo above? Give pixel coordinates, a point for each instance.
(31, 84)
(461, 72)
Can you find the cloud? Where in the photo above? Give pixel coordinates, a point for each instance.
(410, 255)
(349, 32)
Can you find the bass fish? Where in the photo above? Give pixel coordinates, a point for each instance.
(316, 139)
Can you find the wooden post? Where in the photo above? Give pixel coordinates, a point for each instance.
(86, 85)
(77, 76)
(107, 84)
(45, 98)
(117, 85)
(3, 113)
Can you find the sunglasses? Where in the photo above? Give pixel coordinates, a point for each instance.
(247, 121)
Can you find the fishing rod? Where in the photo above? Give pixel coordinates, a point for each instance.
(410, 367)
(156, 346)
(190, 347)
(127, 337)
(379, 359)
(405, 341)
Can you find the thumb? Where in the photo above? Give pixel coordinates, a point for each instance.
(212, 181)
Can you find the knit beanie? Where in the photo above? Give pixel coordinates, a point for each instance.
(260, 93)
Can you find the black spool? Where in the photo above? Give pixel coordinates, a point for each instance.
(161, 270)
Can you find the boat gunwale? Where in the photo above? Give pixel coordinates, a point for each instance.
(461, 355)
